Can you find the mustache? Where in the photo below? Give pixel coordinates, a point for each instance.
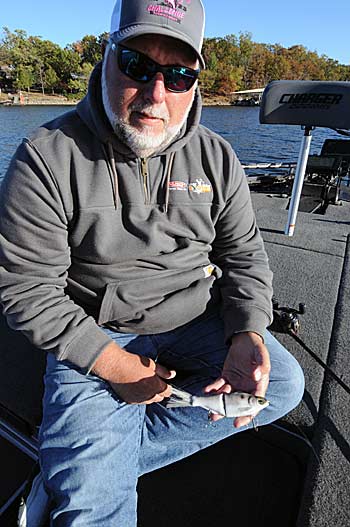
(150, 110)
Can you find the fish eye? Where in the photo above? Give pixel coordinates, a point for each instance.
(261, 400)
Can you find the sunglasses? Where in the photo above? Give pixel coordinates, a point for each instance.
(141, 68)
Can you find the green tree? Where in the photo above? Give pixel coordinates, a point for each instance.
(207, 81)
(22, 57)
(91, 50)
(16, 48)
(69, 65)
(228, 80)
(246, 48)
(25, 78)
(79, 82)
(50, 78)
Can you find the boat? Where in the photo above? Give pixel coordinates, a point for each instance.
(296, 471)
(247, 97)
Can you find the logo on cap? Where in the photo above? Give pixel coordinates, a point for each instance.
(172, 9)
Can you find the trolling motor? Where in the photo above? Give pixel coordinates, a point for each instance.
(286, 319)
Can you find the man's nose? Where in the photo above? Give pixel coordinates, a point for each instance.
(155, 90)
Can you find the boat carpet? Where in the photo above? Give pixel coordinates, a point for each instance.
(307, 269)
(314, 267)
(326, 500)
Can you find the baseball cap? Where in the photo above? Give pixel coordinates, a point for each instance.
(180, 19)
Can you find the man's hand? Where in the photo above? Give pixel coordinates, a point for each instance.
(136, 379)
(246, 369)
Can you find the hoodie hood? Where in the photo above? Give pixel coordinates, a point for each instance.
(91, 111)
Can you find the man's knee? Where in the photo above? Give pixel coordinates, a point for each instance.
(296, 382)
(287, 377)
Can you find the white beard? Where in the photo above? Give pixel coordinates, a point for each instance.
(143, 143)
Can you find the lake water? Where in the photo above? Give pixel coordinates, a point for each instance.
(240, 126)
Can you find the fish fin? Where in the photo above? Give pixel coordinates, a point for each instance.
(179, 398)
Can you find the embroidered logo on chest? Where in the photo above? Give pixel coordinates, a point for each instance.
(177, 185)
(200, 187)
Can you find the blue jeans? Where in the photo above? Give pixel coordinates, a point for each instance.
(94, 446)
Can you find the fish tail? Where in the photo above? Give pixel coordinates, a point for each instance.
(179, 398)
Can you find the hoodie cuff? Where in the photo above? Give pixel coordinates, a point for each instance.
(86, 347)
(240, 321)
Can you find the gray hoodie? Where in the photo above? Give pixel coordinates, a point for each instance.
(90, 235)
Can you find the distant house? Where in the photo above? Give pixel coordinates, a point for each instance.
(6, 77)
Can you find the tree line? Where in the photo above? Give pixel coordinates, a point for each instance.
(239, 63)
(234, 62)
(31, 63)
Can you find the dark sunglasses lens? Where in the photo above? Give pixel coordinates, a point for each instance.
(179, 79)
(135, 65)
(142, 69)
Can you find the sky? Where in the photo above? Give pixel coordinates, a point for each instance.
(316, 24)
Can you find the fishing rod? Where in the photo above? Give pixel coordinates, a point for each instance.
(286, 320)
(320, 361)
(341, 131)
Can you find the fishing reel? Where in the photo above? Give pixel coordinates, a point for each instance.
(286, 319)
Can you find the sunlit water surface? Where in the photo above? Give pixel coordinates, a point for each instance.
(240, 126)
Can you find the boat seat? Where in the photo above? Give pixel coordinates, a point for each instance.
(22, 369)
(323, 165)
(339, 148)
(336, 147)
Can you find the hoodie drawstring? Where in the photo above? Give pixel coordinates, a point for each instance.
(167, 182)
(113, 167)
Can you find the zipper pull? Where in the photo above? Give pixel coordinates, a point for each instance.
(144, 173)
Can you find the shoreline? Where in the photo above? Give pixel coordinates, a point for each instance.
(15, 105)
(35, 100)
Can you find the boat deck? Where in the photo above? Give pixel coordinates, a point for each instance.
(314, 267)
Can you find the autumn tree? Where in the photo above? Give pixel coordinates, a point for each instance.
(233, 62)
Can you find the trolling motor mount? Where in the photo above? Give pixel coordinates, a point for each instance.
(286, 319)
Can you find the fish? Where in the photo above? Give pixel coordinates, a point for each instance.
(235, 404)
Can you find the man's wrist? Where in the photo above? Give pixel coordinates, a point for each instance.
(107, 363)
(252, 334)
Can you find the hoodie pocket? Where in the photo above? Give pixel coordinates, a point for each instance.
(132, 300)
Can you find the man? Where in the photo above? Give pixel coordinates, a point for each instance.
(130, 253)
